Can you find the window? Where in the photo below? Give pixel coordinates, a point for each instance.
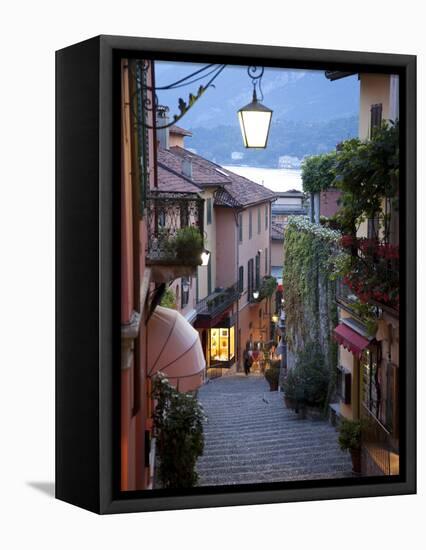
(222, 344)
(240, 227)
(257, 271)
(344, 385)
(241, 279)
(266, 216)
(185, 283)
(209, 211)
(250, 278)
(371, 381)
(258, 221)
(250, 224)
(266, 262)
(376, 118)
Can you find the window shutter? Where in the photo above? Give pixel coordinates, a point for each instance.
(376, 118)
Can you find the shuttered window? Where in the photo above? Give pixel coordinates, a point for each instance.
(241, 279)
(376, 118)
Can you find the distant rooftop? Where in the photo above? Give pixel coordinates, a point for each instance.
(180, 131)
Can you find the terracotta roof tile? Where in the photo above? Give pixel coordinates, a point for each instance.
(170, 181)
(203, 172)
(237, 191)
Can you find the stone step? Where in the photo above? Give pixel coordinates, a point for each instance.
(248, 440)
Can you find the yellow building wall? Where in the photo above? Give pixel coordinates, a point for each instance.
(374, 88)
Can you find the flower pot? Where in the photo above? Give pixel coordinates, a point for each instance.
(289, 402)
(273, 386)
(356, 460)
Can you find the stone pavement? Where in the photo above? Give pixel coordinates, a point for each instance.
(250, 437)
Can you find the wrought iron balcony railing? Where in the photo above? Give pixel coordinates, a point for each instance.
(175, 228)
(345, 296)
(379, 448)
(216, 303)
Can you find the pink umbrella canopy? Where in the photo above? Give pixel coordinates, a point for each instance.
(174, 348)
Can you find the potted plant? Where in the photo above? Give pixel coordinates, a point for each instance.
(289, 389)
(272, 375)
(188, 245)
(350, 440)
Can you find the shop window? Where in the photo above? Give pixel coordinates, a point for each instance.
(222, 345)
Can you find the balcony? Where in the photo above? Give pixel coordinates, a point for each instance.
(267, 287)
(211, 308)
(175, 232)
(346, 298)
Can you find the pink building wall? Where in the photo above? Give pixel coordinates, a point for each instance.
(136, 405)
(329, 202)
(226, 247)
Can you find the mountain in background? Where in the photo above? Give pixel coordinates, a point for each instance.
(311, 114)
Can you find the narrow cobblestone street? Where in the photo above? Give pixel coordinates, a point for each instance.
(250, 437)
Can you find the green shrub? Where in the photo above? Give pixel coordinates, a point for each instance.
(272, 374)
(350, 434)
(308, 382)
(318, 172)
(178, 425)
(188, 245)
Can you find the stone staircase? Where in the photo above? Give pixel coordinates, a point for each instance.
(250, 437)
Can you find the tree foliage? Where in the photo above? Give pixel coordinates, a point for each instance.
(318, 172)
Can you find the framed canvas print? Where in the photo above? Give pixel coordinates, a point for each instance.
(236, 289)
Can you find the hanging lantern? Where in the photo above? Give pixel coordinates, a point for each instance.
(255, 121)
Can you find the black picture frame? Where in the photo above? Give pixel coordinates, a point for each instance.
(87, 244)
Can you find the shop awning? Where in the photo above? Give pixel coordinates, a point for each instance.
(174, 348)
(350, 339)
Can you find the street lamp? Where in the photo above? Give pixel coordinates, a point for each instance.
(275, 318)
(255, 121)
(205, 257)
(255, 294)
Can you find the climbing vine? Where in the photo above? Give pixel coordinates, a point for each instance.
(318, 172)
(310, 251)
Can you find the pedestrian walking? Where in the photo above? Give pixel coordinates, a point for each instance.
(247, 362)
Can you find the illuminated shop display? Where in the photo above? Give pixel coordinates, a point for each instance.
(222, 345)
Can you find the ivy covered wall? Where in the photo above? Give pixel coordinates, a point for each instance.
(309, 290)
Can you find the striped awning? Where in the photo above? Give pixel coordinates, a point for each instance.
(350, 339)
(174, 348)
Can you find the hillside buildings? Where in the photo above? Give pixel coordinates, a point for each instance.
(221, 300)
